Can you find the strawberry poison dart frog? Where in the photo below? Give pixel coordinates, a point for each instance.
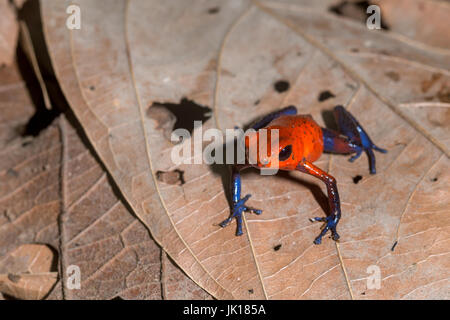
(301, 141)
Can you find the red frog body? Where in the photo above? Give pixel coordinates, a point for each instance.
(300, 132)
(301, 141)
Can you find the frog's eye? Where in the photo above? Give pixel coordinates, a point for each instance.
(285, 153)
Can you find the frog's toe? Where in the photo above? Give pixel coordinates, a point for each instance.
(253, 210)
(371, 156)
(356, 156)
(238, 208)
(374, 147)
(330, 225)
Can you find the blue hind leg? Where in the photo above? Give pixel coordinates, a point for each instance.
(356, 139)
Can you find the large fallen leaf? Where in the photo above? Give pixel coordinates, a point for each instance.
(26, 273)
(130, 55)
(54, 191)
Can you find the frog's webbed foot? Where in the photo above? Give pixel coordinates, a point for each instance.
(331, 223)
(238, 208)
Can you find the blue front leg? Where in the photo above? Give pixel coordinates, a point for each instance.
(238, 205)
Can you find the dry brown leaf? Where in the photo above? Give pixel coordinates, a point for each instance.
(26, 273)
(8, 33)
(129, 55)
(419, 20)
(114, 251)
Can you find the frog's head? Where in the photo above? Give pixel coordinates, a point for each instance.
(270, 148)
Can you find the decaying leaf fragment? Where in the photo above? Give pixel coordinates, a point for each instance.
(8, 33)
(26, 273)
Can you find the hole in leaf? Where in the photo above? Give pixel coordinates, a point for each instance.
(355, 10)
(281, 86)
(357, 179)
(171, 177)
(277, 247)
(325, 95)
(186, 112)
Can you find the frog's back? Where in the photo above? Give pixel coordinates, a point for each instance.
(303, 131)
